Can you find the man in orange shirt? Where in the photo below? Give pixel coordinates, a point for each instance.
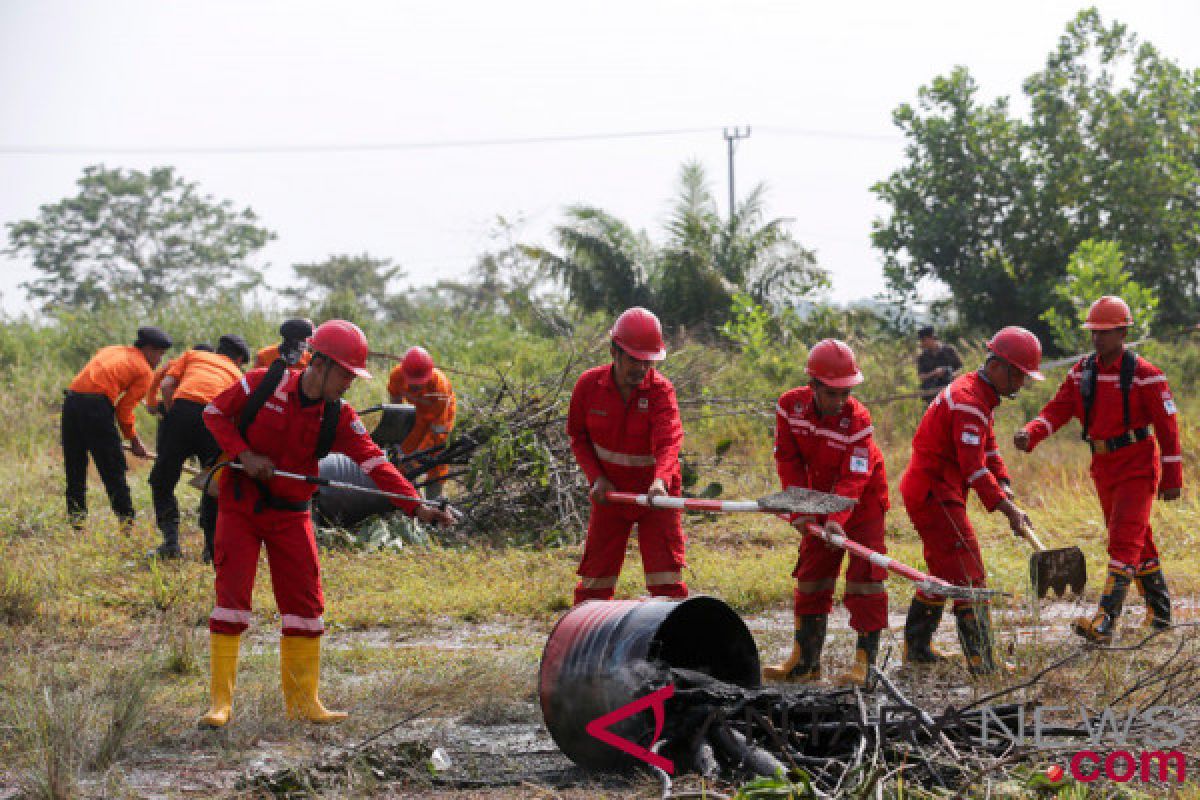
(191, 383)
(415, 380)
(293, 348)
(153, 400)
(100, 399)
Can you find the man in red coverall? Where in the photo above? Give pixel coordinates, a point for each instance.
(954, 450)
(1116, 396)
(625, 432)
(823, 441)
(257, 508)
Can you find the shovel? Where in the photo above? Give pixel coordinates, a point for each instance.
(790, 501)
(928, 584)
(1054, 569)
(317, 480)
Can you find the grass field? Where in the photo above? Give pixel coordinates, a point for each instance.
(106, 657)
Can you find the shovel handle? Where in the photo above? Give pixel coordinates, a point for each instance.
(682, 503)
(1028, 535)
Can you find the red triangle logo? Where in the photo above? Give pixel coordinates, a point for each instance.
(656, 701)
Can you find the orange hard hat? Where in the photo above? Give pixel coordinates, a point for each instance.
(344, 342)
(417, 365)
(638, 332)
(1018, 347)
(1107, 313)
(831, 361)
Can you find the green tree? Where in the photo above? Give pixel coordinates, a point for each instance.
(604, 263)
(1096, 269)
(692, 277)
(143, 238)
(348, 286)
(993, 207)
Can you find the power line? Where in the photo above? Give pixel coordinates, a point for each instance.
(346, 148)
(375, 147)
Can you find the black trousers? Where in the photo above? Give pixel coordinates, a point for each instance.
(181, 435)
(89, 428)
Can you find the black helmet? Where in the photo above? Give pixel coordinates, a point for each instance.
(233, 345)
(296, 329)
(150, 336)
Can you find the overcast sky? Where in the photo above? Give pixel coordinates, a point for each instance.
(232, 94)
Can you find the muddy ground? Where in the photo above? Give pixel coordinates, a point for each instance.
(431, 756)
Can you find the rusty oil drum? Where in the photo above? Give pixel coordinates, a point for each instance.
(601, 653)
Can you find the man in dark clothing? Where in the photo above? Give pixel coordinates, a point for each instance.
(936, 364)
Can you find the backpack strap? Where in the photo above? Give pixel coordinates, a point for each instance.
(1087, 391)
(258, 397)
(1128, 368)
(1087, 386)
(331, 414)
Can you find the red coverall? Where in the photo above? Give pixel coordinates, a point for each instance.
(1127, 478)
(631, 444)
(954, 449)
(286, 432)
(836, 454)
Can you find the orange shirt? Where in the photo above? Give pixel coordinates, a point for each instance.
(152, 397)
(202, 376)
(264, 357)
(112, 371)
(435, 405)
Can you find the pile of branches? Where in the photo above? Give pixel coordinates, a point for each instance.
(522, 484)
(855, 740)
(836, 740)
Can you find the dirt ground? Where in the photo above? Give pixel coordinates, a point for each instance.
(472, 756)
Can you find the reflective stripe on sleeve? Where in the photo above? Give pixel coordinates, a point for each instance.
(372, 463)
(977, 474)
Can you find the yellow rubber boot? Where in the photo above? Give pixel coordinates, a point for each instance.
(300, 672)
(223, 664)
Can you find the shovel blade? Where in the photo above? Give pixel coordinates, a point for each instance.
(1058, 570)
(805, 501)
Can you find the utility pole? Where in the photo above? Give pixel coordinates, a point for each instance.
(732, 135)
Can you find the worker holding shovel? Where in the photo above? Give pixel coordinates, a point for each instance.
(953, 451)
(190, 384)
(287, 427)
(823, 441)
(625, 432)
(1117, 396)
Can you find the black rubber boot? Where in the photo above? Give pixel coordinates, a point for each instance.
(1153, 586)
(169, 549)
(919, 629)
(804, 665)
(1100, 626)
(866, 650)
(975, 635)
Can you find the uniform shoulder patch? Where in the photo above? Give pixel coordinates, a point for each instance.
(970, 438)
(358, 427)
